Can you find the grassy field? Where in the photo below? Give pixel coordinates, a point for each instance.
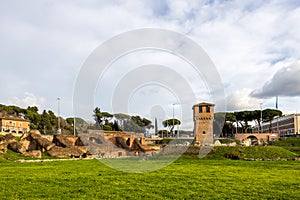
(187, 178)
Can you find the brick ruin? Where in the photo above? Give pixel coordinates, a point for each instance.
(93, 143)
(203, 115)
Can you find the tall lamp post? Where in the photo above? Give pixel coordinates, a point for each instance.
(261, 118)
(58, 117)
(173, 119)
(174, 104)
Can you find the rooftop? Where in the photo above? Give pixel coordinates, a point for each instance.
(204, 104)
(15, 118)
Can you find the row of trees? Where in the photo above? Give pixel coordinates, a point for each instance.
(235, 122)
(121, 122)
(46, 122)
(239, 121)
(124, 122)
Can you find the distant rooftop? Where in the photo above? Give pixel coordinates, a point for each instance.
(15, 118)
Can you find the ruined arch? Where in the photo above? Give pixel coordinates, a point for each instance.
(254, 139)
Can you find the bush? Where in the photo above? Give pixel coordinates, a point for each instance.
(291, 142)
(228, 141)
(107, 128)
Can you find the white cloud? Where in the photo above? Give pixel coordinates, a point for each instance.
(285, 82)
(29, 99)
(240, 100)
(43, 44)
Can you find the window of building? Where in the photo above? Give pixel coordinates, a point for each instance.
(200, 109)
(207, 109)
(20, 124)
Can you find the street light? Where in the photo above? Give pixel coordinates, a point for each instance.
(261, 118)
(58, 117)
(173, 119)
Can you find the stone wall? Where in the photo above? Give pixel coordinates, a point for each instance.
(259, 136)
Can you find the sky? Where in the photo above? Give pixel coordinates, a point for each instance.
(254, 45)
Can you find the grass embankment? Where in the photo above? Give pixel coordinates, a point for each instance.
(254, 152)
(13, 156)
(187, 178)
(291, 144)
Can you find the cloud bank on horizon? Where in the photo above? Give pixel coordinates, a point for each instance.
(285, 82)
(255, 46)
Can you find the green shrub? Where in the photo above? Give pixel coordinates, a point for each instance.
(228, 141)
(291, 142)
(107, 128)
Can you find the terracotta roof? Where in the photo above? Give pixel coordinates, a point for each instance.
(14, 118)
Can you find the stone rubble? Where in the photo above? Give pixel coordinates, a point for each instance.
(32, 144)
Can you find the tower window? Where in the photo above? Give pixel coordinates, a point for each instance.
(207, 109)
(203, 132)
(200, 109)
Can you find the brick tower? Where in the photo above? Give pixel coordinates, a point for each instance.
(203, 123)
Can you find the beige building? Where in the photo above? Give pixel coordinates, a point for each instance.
(285, 126)
(203, 114)
(12, 124)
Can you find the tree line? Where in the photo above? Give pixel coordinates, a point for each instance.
(121, 122)
(125, 122)
(46, 122)
(238, 122)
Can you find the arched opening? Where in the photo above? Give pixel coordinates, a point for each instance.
(254, 140)
(128, 142)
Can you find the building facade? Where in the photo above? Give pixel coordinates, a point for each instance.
(13, 124)
(203, 115)
(285, 126)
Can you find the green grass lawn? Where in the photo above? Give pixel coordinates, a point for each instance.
(187, 178)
